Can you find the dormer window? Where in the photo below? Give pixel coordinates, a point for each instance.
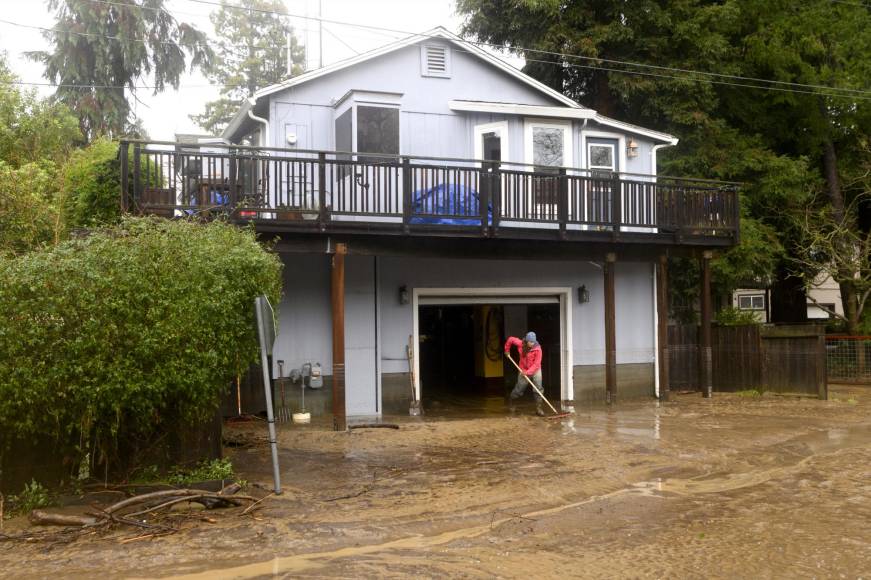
(435, 60)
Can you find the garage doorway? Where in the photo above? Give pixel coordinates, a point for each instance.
(460, 335)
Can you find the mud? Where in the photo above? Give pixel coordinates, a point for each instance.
(728, 487)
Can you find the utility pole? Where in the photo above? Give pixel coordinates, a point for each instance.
(289, 36)
(320, 35)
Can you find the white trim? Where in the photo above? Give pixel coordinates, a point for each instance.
(630, 128)
(358, 96)
(567, 391)
(621, 145)
(519, 109)
(566, 126)
(500, 128)
(610, 146)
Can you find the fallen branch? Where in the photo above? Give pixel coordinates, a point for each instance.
(41, 518)
(374, 426)
(255, 504)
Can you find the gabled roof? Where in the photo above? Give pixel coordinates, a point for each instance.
(579, 111)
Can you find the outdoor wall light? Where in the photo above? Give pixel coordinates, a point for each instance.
(583, 294)
(632, 149)
(404, 297)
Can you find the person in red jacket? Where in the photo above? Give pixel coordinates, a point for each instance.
(530, 365)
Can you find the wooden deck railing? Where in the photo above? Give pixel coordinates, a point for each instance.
(320, 190)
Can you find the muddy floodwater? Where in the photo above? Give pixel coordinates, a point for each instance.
(732, 487)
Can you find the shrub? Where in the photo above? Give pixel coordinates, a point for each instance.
(91, 182)
(29, 214)
(731, 316)
(128, 332)
(34, 496)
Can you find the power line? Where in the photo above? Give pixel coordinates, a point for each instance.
(821, 89)
(539, 51)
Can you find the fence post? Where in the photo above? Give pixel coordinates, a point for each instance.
(232, 182)
(122, 159)
(616, 206)
(137, 173)
(407, 184)
(322, 191)
(822, 369)
(562, 201)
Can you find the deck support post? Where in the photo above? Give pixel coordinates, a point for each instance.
(125, 168)
(610, 331)
(706, 366)
(662, 325)
(337, 294)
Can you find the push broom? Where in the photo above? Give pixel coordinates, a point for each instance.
(556, 414)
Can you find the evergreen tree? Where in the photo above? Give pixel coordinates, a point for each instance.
(251, 54)
(101, 51)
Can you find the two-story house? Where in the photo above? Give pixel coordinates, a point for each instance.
(429, 194)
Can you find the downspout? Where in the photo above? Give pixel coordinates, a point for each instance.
(264, 138)
(656, 386)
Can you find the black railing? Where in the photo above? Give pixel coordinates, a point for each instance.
(334, 190)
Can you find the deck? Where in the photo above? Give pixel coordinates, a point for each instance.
(328, 192)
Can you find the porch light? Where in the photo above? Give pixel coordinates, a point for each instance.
(403, 295)
(583, 294)
(632, 149)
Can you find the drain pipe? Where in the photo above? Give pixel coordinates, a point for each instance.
(656, 352)
(264, 137)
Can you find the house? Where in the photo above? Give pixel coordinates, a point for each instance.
(823, 299)
(429, 194)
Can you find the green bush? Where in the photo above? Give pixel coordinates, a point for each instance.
(731, 316)
(29, 214)
(128, 332)
(34, 496)
(91, 187)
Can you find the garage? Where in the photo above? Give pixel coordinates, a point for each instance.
(460, 333)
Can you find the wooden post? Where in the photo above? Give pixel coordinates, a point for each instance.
(562, 202)
(125, 168)
(610, 331)
(407, 186)
(137, 174)
(323, 216)
(337, 292)
(706, 368)
(616, 206)
(662, 325)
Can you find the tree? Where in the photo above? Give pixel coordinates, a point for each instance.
(101, 51)
(781, 142)
(32, 129)
(251, 53)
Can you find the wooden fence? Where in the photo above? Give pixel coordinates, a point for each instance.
(781, 359)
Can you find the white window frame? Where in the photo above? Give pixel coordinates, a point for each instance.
(528, 146)
(621, 145)
(500, 128)
(610, 146)
(424, 69)
(751, 297)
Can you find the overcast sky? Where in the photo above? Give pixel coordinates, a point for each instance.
(167, 113)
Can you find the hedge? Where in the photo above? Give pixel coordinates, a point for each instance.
(126, 333)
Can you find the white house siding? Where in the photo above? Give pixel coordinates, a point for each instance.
(305, 318)
(428, 127)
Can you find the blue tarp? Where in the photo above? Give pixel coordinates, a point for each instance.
(448, 199)
(216, 198)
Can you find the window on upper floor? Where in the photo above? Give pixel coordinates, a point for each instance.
(378, 130)
(435, 60)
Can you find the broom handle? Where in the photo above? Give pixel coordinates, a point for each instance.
(528, 380)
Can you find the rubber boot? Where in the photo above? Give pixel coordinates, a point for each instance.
(539, 410)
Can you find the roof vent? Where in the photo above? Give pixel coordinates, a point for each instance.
(435, 60)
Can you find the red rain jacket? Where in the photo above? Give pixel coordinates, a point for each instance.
(530, 361)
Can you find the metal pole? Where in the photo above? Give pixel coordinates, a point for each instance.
(270, 417)
(320, 35)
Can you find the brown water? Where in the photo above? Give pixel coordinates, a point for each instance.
(729, 487)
